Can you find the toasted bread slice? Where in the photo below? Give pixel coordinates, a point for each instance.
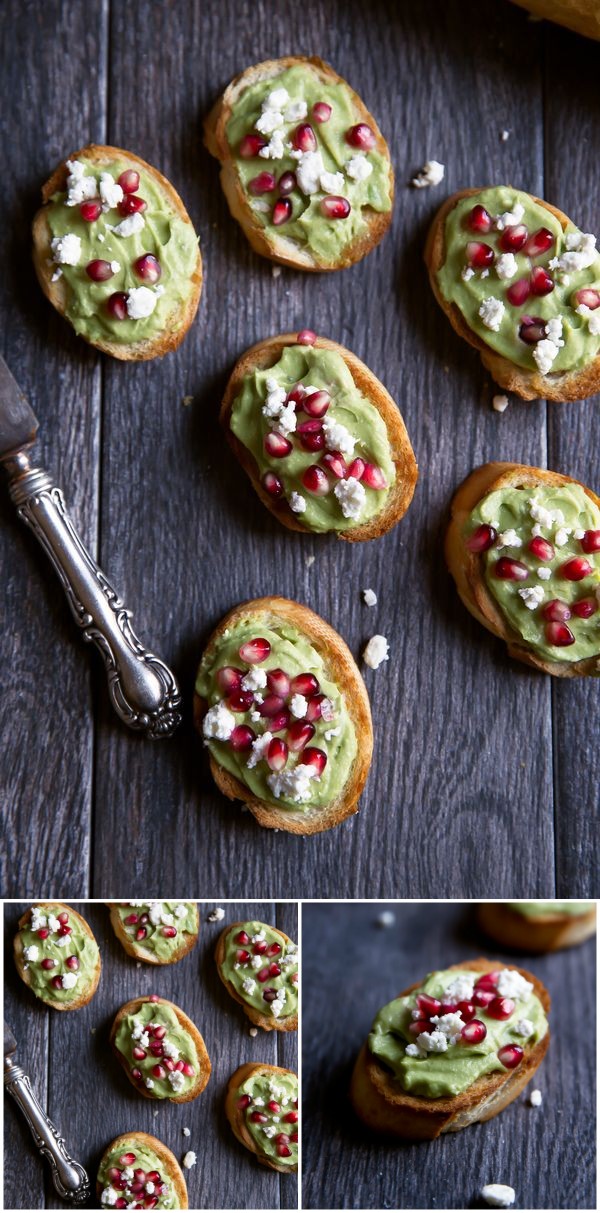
(467, 567)
(344, 672)
(288, 1023)
(58, 292)
(280, 248)
(235, 1115)
(266, 354)
(528, 384)
(172, 1171)
(543, 933)
(139, 952)
(583, 16)
(81, 1000)
(380, 1102)
(130, 1008)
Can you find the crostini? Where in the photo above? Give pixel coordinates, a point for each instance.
(115, 252)
(451, 1051)
(582, 16)
(521, 284)
(538, 926)
(57, 956)
(160, 1049)
(304, 166)
(138, 1171)
(258, 966)
(319, 436)
(157, 932)
(285, 715)
(261, 1106)
(523, 547)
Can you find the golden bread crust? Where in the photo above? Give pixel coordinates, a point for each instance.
(544, 933)
(583, 16)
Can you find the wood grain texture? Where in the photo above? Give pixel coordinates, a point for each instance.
(353, 966)
(90, 1098)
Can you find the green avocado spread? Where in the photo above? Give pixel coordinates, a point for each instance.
(74, 955)
(158, 920)
(160, 1067)
(351, 426)
(327, 167)
(262, 968)
(133, 1188)
(327, 730)
(272, 1117)
(537, 909)
(158, 230)
(562, 516)
(441, 1063)
(571, 262)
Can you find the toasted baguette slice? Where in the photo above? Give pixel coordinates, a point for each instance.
(139, 952)
(529, 385)
(545, 933)
(130, 1008)
(380, 1102)
(289, 1023)
(266, 354)
(345, 674)
(82, 999)
(236, 1118)
(172, 1171)
(583, 16)
(58, 292)
(281, 248)
(467, 567)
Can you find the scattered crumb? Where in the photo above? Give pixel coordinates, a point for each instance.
(276, 271)
(93, 1031)
(155, 1113)
(245, 808)
(535, 1098)
(216, 915)
(186, 1132)
(376, 651)
(187, 400)
(446, 370)
(138, 964)
(189, 1160)
(499, 1196)
(308, 560)
(500, 403)
(253, 1031)
(386, 919)
(431, 174)
(504, 136)
(370, 597)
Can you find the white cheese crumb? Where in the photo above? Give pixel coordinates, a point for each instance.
(294, 784)
(332, 183)
(295, 111)
(308, 171)
(509, 539)
(297, 503)
(523, 1028)
(592, 316)
(506, 266)
(66, 250)
(253, 1031)
(431, 174)
(510, 218)
(370, 598)
(535, 1099)
(109, 1196)
(329, 733)
(259, 749)
(562, 536)
(467, 273)
(544, 574)
(141, 302)
(544, 354)
(450, 1024)
(248, 985)
(37, 919)
(351, 495)
(499, 1196)
(216, 915)
(56, 275)
(358, 167)
(500, 403)
(532, 596)
(376, 651)
(298, 706)
(432, 1042)
(505, 135)
(275, 149)
(413, 1051)
(186, 1132)
(32, 952)
(189, 1160)
(177, 1080)
(276, 99)
(69, 980)
(255, 679)
(79, 187)
(149, 1187)
(219, 723)
(581, 252)
(491, 311)
(111, 192)
(338, 437)
(460, 990)
(180, 911)
(130, 225)
(512, 985)
(270, 120)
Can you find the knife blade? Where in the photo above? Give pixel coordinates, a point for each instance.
(143, 690)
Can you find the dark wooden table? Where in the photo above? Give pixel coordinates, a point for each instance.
(485, 775)
(88, 1096)
(352, 967)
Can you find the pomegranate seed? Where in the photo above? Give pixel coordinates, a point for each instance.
(299, 735)
(90, 211)
(152, 997)
(304, 684)
(277, 754)
(483, 537)
(306, 337)
(277, 445)
(511, 1056)
(159, 1032)
(138, 1053)
(313, 757)
(313, 441)
(431, 1006)
(283, 1151)
(315, 481)
(114, 1174)
(483, 998)
(263, 184)
(294, 1137)
(272, 484)
(64, 929)
(72, 962)
(126, 1160)
(129, 181)
(154, 1177)
(316, 404)
(48, 963)
(256, 650)
(56, 982)
(587, 298)
(131, 204)
(361, 136)
(420, 1025)
(278, 723)
(287, 182)
(229, 679)
(333, 206)
(159, 1071)
(357, 469)
(259, 947)
(242, 737)
(532, 329)
(290, 1118)
(278, 683)
(556, 611)
(591, 541)
(150, 1202)
(542, 283)
(374, 477)
(539, 243)
(258, 1118)
(474, 1032)
(137, 1189)
(139, 1176)
(274, 1107)
(501, 1008)
(270, 994)
(169, 932)
(541, 548)
(274, 949)
(479, 255)
(282, 211)
(147, 267)
(315, 707)
(242, 956)
(116, 305)
(274, 970)
(304, 139)
(478, 220)
(156, 1048)
(63, 918)
(188, 1070)
(467, 1010)
(131, 920)
(43, 933)
(179, 1066)
(312, 426)
(297, 394)
(510, 570)
(244, 1101)
(518, 292)
(141, 933)
(513, 238)
(271, 706)
(263, 974)
(559, 634)
(488, 981)
(242, 937)
(250, 146)
(576, 569)
(585, 608)
(448, 1008)
(321, 111)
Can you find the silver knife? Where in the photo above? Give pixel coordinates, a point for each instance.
(143, 691)
(69, 1177)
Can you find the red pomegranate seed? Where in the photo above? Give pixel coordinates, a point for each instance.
(159, 1071)
(315, 481)
(474, 1032)
(263, 184)
(188, 1070)
(43, 933)
(513, 238)
(304, 684)
(179, 1066)
(479, 255)
(64, 929)
(532, 329)
(585, 608)
(156, 1048)
(152, 997)
(147, 267)
(478, 220)
(591, 541)
(63, 918)
(138, 1053)
(283, 1151)
(511, 1056)
(314, 441)
(420, 1025)
(150, 1202)
(90, 211)
(357, 469)
(483, 537)
(263, 974)
(270, 994)
(259, 947)
(374, 477)
(258, 1118)
(510, 570)
(316, 404)
(290, 1118)
(274, 970)
(114, 1174)
(126, 1160)
(242, 937)
(466, 1010)
(250, 146)
(333, 206)
(539, 243)
(255, 650)
(299, 735)
(518, 292)
(287, 182)
(314, 709)
(131, 920)
(278, 723)
(72, 962)
(274, 949)
(311, 426)
(242, 737)
(277, 754)
(294, 1137)
(556, 611)
(313, 757)
(278, 683)
(273, 1106)
(488, 981)
(541, 548)
(56, 982)
(542, 283)
(282, 211)
(501, 1008)
(48, 963)
(244, 1101)
(304, 139)
(129, 181)
(336, 464)
(158, 1031)
(306, 337)
(131, 204)
(99, 271)
(169, 932)
(483, 998)
(139, 1176)
(586, 297)
(154, 1177)
(431, 1006)
(229, 679)
(272, 484)
(277, 445)
(576, 569)
(272, 705)
(141, 933)
(321, 111)
(116, 305)
(559, 634)
(297, 394)
(361, 136)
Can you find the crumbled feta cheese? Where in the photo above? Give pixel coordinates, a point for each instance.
(186, 1132)
(491, 311)
(109, 1196)
(253, 1032)
(295, 111)
(431, 174)
(276, 1007)
(413, 1051)
(219, 723)
(467, 273)
(512, 985)
(499, 1196)
(535, 1099)
(216, 915)
(581, 252)
(269, 1130)
(274, 149)
(189, 1160)
(542, 515)
(177, 1080)
(297, 503)
(376, 652)
(370, 598)
(510, 218)
(255, 679)
(130, 225)
(523, 1028)
(460, 990)
(308, 171)
(432, 1042)
(170, 1049)
(270, 120)
(53, 924)
(509, 539)
(532, 596)
(450, 1024)
(338, 437)
(332, 183)
(276, 99)
(554, 330)
(358, 167)
(62, 941)
(259, 749)
(592, 316)
(506, 266)
(544, 354)
(294, 784)
(32, 952)
(149, 1188)
(79, 187)
(578, 533)
(248, 985)
(180, 911)
(56, 275)
(69, 980)
(351, 495)
(66, 250)
(562, 536)
(504, 136)
(141, 302)
(544, 574)
(38, 919)
(111, 192)
(298, 706)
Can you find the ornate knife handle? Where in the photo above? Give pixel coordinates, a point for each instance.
(143, 690)
(69, 1177)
